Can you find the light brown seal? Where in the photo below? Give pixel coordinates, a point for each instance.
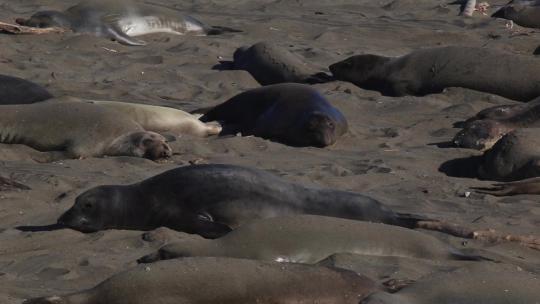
(222, 280)
(79, 130)
(310, 239)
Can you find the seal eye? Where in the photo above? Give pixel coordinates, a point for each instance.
(87, 206)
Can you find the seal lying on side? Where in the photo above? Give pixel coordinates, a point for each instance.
(79, 129)
(223, 281)
(289, 113)
(526, 186)
(432, 70)
(481, 283)
(210, 200)
(121, 20)
(269, 64)
(310, 239)
(515, 156)
(162, 119)
(482, 134)
(524, 13)
(14, 90)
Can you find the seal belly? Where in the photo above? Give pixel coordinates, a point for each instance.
(137, 26)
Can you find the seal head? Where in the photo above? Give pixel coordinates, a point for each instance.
(362, 70)
(480, 134)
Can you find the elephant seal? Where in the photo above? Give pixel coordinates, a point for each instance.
(121, 20)
(210, 200)
(290, 113)
(311, 239)
(14, 90)
(269, 64)
(160, 119)
(515, 156)
(524, 13)
(432, 70)
(78, 129)
(526, 186)
(224, 281)
(480, 283)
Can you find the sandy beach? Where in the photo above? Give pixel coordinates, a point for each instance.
(392, 152)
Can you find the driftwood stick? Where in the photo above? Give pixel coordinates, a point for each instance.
(21, 29)
(488, 235)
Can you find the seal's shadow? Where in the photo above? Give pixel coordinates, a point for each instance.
(461, 167)
(51, 227)
(224, 66)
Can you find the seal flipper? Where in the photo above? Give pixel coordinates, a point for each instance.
(204, 226)
(116, 34)
(218, 30)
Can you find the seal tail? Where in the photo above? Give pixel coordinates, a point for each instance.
(218, 30)
(408, 220)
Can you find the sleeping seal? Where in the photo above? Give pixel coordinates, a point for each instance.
(14, 90)
(223, 281)
(432, 70)
(121, 20)
(524, 13)
(290, 113)
(310, 239)
(211, 200)
(78, 129)
(488, 126)
(526, 186)
(269, 64)
(515, 156)
(161, 119)
(480, 283)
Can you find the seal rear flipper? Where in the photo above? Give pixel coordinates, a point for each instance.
(218, 30)
(408, 220)
(468, 254)
(122, 38)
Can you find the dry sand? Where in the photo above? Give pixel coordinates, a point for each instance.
(389, 153)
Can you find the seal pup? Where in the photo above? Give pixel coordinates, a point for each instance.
(211, 200)
(79, 130)
(526, 186)
(311, 239)
(480, 283)
(224, 281)
(524, 13)
(158, 119)
(432, 70)
(121, 20)
(494, 122)
(290, 113)
(515, 156)
(269, 64)
(14, 90)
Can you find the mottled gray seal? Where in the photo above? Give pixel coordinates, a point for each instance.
(14, 90)
(223, 281)
(78, 129)
(289, 113)
(121, 20)
(310, 239)
(524, 13)
(432, 70)
(210, 200)
(270, 64)
(515, 156)
(481, 283)
(483, 130)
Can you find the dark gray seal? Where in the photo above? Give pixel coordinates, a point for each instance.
(514, 157)
(524, 13)
(270, 64)
(290, 113)
(483, 130)
(78, 130)
(432, 70)
(14, 90)
(121, 20)
(211, 200)
(311, 239)
(221, 280)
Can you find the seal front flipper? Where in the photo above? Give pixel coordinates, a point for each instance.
(205, 226)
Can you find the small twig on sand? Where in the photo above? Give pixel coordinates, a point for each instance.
(488, 235)
(469, 8)
(21, 29)
(9, 184)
